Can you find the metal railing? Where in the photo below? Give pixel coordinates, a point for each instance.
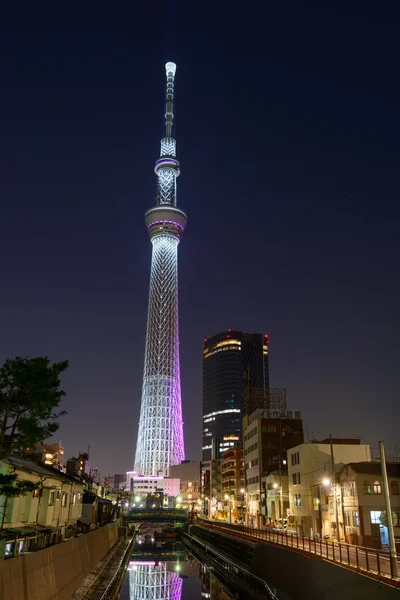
(226, 566)
(368, 560)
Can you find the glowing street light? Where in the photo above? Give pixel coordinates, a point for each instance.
(230, 507)
(326, 481)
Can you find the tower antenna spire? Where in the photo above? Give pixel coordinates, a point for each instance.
(170, 70)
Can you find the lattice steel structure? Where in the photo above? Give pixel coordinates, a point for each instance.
(153, 582)
(160, 437)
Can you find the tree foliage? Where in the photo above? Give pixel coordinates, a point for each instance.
(29, 396)
(11, 486)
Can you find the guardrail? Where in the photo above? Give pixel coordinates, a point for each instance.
(367, 560)
(225, 564)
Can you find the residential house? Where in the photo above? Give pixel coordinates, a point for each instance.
(313, 495)
(41, 518)
(96, 511)
(363, 502)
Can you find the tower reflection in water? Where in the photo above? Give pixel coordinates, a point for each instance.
(153, 581)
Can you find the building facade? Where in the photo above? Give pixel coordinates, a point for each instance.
(315, 504)
(212, 498)
(267, 437)
(188, 473)
(141, 487)
(160, 435)
(48, 454)
(43, 517)
(79, 465)
(232, 479)
(363, 503)
(233, 361)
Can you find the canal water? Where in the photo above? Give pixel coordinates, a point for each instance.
(168, 572)
(171, 580)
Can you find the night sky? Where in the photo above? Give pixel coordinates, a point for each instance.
(287, 128)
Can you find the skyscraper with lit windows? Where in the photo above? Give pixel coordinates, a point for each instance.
(233, 361)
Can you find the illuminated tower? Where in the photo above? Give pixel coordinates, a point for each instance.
(160, 437)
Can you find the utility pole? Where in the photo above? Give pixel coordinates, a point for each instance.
(333, 482)
(392, 545)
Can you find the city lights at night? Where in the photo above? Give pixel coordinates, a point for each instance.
(225, 429)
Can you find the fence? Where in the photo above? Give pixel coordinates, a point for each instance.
(376, 562)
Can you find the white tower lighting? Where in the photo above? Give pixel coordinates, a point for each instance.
(160, 436)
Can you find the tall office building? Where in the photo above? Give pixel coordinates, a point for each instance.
(160, 437)
(233, 362)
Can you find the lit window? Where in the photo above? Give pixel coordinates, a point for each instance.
(356, 520)
(221, 412)
(375, 516)
(52, 498)
(297, 500)
(377, 487)
(367, 487)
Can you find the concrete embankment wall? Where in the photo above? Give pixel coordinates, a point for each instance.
(56, 572)
(298, 575)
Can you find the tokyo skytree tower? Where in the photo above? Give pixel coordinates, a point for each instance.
(160, 436)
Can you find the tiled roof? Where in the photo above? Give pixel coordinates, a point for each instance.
(34, 467)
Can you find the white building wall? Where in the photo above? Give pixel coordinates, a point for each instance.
(252, 472)
(313, 466)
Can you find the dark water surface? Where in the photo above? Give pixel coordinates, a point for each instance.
(149, 579)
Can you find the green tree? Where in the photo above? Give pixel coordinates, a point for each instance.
(29, 397)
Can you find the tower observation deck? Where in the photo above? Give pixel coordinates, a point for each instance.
(160, 435)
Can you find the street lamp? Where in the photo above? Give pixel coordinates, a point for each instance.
(281, 500)
(327, 482)
(242, 491)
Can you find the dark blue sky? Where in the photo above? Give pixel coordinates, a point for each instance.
(288, 128)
